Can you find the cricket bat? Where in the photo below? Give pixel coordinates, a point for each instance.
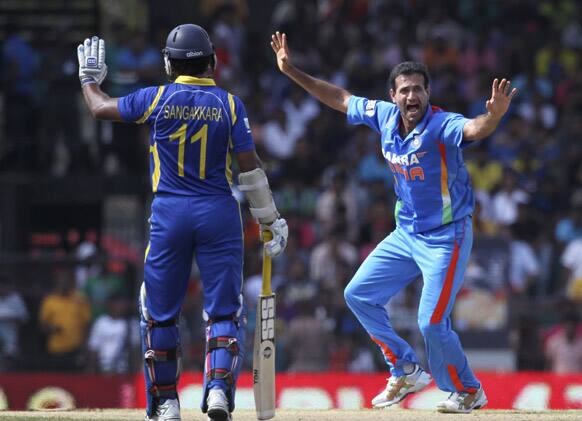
(264, 346)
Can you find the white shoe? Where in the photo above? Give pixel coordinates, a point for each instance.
(217, 406)
(463, 402)
(167, 411)
(400, 387)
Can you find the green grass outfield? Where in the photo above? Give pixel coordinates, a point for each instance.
(301, 415)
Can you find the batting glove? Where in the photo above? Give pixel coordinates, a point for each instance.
(280, 233)
(91, 55)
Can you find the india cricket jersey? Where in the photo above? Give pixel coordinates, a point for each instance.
(430, 177)
(195, 128)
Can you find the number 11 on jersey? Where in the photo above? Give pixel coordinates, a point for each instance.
(202, 136)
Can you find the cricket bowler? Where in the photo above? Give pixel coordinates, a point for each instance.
(422, 145)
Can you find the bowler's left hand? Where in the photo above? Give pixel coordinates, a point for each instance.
(501, 96)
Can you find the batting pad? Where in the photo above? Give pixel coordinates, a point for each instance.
(224, 357)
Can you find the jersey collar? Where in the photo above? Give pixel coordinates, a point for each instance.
(192, 80)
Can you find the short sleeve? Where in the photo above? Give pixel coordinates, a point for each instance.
(452, 129)
(45, 313)
(95, 337)
(242, 139)
(139, 105)
(530, 261)
(570, 255)
(370, 112)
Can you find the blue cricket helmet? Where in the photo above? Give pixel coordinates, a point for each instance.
(188, 41)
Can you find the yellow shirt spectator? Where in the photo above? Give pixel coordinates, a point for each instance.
(485, 177)
(66, 317)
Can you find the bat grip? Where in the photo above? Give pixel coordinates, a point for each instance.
(266, 285)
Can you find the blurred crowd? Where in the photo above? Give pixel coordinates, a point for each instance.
(329, 179)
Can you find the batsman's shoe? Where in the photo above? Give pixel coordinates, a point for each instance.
(463, 402)
(217, 406)
(400, 387)
(169, 410)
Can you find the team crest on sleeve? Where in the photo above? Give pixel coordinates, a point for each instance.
(371, 108)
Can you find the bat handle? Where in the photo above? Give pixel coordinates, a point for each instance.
(266, 236)
(266, 287)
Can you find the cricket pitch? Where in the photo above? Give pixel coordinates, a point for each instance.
(301, 415)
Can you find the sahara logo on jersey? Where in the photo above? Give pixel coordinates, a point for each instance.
(398, 163)
(409, 159)
(185, 112)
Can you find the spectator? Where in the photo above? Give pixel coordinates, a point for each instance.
(338, 206)
(20, 62)
(61, 150)
(108, 282)
(485, 172)
(524, 268)
(526, 341)
(64, 317)
(13, 313)
(296, 288)
(300, 109)
(507, 200)
(113, 337)
(280, 135)
(302, 169)
(329, 255)
(563, 349)
(138, 65)
(569, 227)
(307, 340)
(571, 259)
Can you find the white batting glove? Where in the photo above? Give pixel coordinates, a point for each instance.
(280, 232)
(91, 55)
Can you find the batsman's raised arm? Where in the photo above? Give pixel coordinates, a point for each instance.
(92, 71)
(485, 124)
(331, 95)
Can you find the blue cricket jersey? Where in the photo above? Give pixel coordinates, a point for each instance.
(195, 128)
(430, 178)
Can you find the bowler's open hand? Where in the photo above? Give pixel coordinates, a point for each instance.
(501, 97)
(279, 46)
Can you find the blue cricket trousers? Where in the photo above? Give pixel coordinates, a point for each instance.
(208, 228)
(440, 256)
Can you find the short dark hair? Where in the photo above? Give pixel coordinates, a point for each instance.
(408, 68)
(191, 67)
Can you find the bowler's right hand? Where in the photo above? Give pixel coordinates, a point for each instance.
(279, 46)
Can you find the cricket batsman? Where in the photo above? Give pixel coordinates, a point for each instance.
(422, 145)
(196, 129)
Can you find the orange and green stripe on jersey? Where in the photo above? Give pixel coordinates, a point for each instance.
(447, 212)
